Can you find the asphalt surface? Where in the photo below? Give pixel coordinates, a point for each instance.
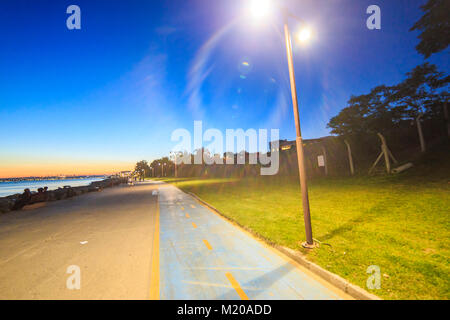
(148, 241)
(38, 246)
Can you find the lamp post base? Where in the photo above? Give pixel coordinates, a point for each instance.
(306, 245)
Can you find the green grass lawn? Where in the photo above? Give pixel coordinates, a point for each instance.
(399, 223)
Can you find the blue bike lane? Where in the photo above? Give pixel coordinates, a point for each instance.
(203, 256)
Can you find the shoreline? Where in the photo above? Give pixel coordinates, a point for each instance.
(8, 188)
(50, 178)
(17, 201)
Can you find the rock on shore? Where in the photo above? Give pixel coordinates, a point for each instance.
(18, 201)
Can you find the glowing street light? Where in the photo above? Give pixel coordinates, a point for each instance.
(304, 35)
(260, 8)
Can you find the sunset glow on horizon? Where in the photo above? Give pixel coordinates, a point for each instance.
(72, 168)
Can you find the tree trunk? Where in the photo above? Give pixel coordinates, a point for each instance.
(350, 158)
(421, 138)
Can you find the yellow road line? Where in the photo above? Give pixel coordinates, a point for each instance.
(187, 215)
(154, 277)
(207, 244)
(194, 225)
(236, 286)
(192, 206)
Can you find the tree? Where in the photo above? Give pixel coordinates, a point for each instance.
(163, 165)
(142, 168)
(418, 94)
(421, 92)
(435, 27)
(393, 110)
(367, 113)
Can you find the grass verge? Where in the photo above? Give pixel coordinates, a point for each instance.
(399, 223)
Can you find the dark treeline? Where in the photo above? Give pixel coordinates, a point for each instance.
(163, 167)
(395, 112)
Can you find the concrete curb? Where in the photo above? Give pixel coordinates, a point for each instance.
(337, 281)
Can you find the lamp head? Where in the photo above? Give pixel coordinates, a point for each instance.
(304, 35)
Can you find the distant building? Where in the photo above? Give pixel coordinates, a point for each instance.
(283, 145)
(125, 173)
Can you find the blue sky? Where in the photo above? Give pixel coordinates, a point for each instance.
(114, 91)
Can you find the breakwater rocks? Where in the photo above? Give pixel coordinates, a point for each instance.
(18, 201)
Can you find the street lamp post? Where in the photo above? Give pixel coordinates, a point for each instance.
(261, 8)
(299, 141)
(175, 163)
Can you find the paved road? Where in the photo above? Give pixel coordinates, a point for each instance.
(37, 246)
(145, 241)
